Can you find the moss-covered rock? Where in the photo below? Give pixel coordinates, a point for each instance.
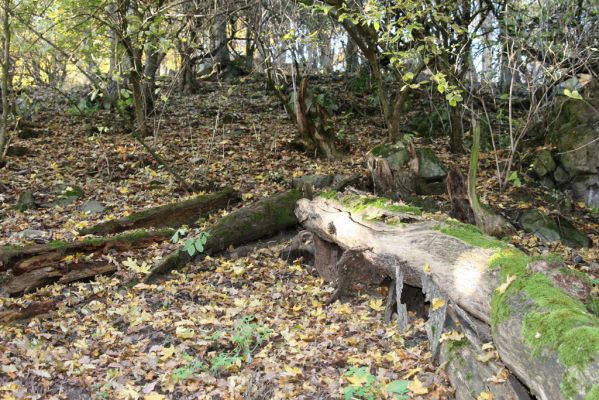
(552, 229)
(430, 167)
(397, 154)
(544, 163)
(25, 201)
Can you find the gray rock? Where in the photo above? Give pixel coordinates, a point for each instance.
(34, 235)
(547, 182)
(586, 188)
(561, 176)
(316, 181)
(551, 229)
(17, 151)
(92, 207)
(397, 155)
(580, 149)
(544, 163)
(430, 167)
(65, 190)
(26, 201)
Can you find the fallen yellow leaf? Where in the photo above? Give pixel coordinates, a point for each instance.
(452, 335)
(417, 388)
(503, 287)
(376, 305)
(154, 396)
(485, 396)
(437, 303)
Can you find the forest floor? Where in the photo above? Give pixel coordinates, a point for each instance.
(233, 328)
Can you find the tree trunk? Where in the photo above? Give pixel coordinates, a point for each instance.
(5, 78)
(486, 219)
(263, 219)
(151, 66)
(219, 39)
(171, 215)
(315, 133)
(457, 138)
(351, 56)
(481, 286)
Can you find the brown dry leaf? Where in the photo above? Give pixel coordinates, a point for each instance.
(500, 377)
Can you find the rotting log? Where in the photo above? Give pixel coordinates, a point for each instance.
(38, 265)
(30, 257)
(171, 215)
(263, 219)
(482, 286)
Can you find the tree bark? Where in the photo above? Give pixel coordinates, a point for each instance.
(5, 78)
(39, 265)
(315, 132)
(171, 215)
(263, 219)
(458, 274)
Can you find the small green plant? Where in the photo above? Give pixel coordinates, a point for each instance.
(514, 179)
(192, 367)
(245, 337)
(364, 385)
(193, 246)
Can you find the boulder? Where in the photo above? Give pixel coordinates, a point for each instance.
(577, 137)
(551, 229)
(316, 181)
(65, 195)
(17, 151)
(560, 176)
(579, 146)
(397, 155)
(25, 201)
(92, 207)
(544, 164)
(586, 188)
(430, 168)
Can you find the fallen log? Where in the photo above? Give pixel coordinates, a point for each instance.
(171, 215)
(262, 219)
(482, 286)
(38, 265)
(30, 257)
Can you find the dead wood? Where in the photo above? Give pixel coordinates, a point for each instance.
(28, 258)
(315, 132)
(265, 218)
(486, 219)
(172, 215)
(39, 265)
(458, 281)
(457, 189)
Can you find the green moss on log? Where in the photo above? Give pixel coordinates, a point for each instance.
(471, 235)
(360, 203)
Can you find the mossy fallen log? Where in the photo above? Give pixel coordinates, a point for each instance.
(536, 312)
(21, 258)
(171, 215)
(38, 265)
(262, 219)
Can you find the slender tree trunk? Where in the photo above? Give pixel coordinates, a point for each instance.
(222, 56)
(149, 79)
(456, 142)
(351, 56)
(5, 77)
